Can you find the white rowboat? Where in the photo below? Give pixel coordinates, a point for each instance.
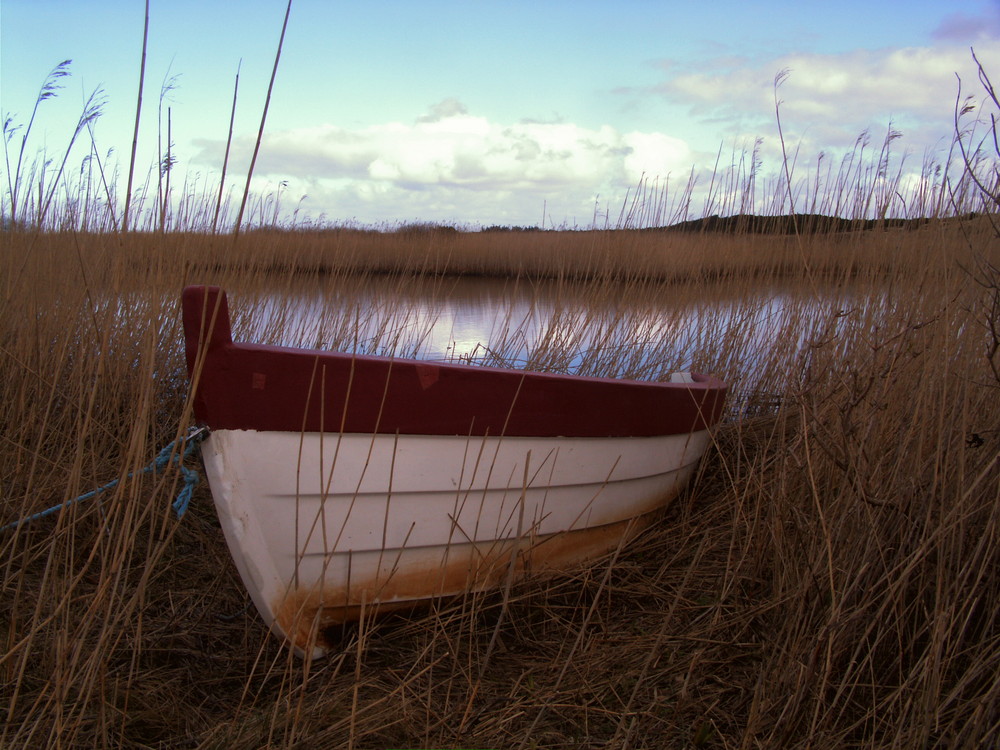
(350, 484)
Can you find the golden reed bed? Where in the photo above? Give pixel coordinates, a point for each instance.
(829, 581)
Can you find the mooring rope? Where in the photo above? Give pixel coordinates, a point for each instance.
(164, 458)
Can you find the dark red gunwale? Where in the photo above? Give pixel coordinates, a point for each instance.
(257, 387)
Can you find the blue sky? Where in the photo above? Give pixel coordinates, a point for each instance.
(491, 112)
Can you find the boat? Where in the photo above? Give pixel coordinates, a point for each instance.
(351, 485)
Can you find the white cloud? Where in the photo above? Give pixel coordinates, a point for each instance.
(431, 167)
(445, 108)
(451, 164)
(655, 154)
(832, 97)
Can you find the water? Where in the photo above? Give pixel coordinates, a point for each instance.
(635, 331)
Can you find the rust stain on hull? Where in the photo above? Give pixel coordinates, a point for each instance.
(304, 614)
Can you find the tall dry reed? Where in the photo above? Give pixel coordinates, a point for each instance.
(828, 581)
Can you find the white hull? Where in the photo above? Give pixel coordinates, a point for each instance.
(322, 526)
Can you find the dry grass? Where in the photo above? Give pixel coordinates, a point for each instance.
(829, 581)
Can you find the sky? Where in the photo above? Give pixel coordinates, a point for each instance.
(478, 113)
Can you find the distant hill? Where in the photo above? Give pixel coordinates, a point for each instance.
(789, 224)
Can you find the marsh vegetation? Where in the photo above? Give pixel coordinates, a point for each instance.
(830, 579)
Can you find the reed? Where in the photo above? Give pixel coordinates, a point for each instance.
(828, 581)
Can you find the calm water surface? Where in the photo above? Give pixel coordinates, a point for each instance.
(643, 331)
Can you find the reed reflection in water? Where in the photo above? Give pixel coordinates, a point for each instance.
(624, 330)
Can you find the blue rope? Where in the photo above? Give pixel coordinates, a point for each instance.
(163, 460)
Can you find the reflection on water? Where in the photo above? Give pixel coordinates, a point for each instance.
(637, 331)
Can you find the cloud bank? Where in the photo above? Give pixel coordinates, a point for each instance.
(422, 168)
(831, 98)
(450, 165)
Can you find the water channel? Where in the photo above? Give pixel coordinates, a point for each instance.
(641, 331)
